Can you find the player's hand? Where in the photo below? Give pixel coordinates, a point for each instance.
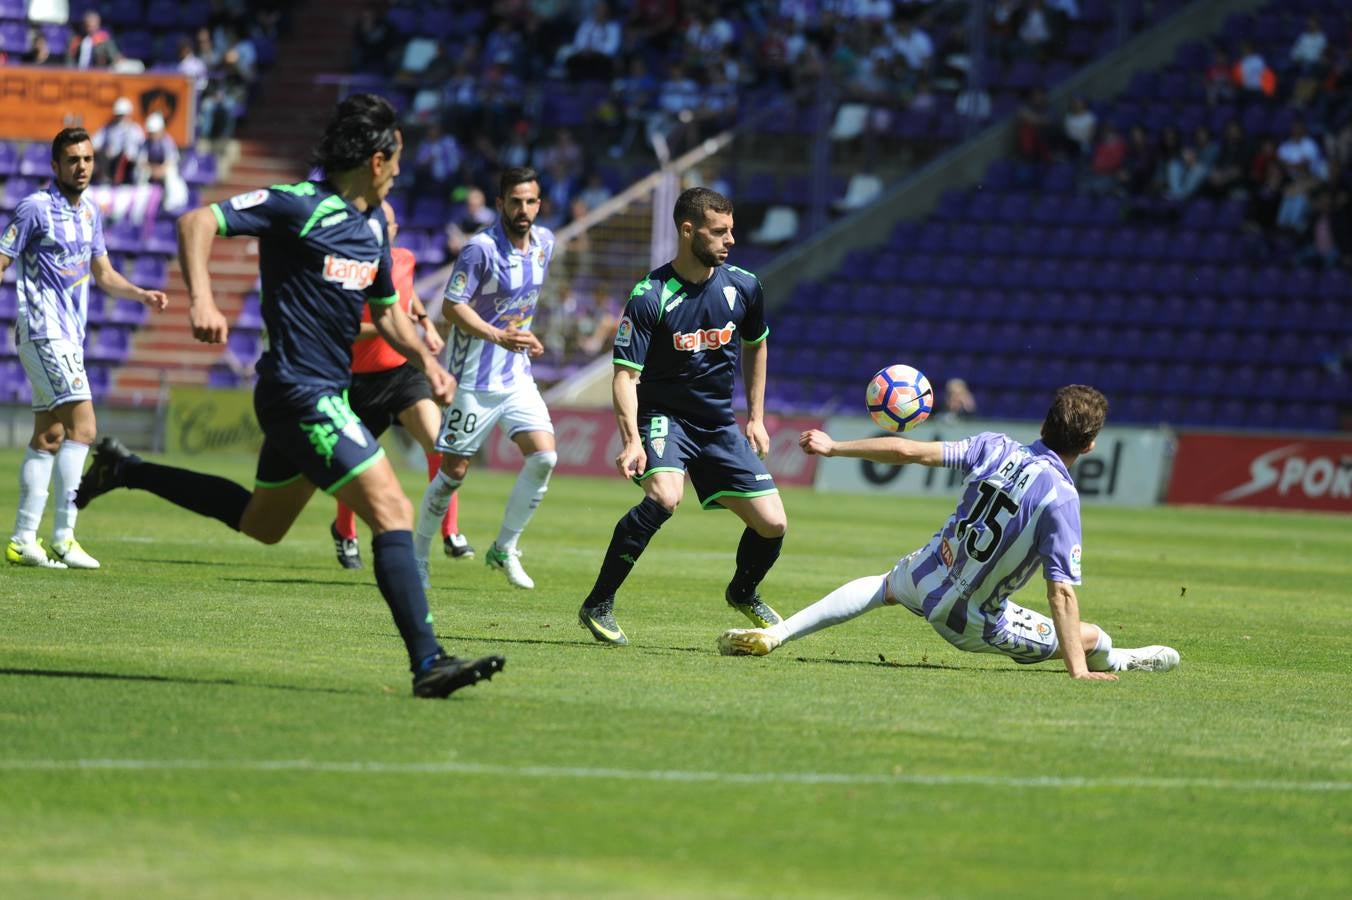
(208, 325)
(632, 460)
(156, 300)
(536, 348)
(433, 340)
(1095, 676)
(442, 383)
(516, 340)
(759, 437)
(816, 443)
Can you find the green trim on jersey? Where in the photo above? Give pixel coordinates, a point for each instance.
(330, 204)
(627, 363)
(639, 479)
(356, 470)
(711, 500)
(765, 334)
(220, 219)
(731, 268)
(260, 483)
(299, 189)
(394, 298)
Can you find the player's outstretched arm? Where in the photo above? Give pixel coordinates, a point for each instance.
(196, 231)
(633, 460)
(114, 283)
(896, 451)
(1065, 608)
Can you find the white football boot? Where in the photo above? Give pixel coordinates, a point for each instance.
(508, 562)
(747, 642)
(1155, 658)
(31, 554)
(73, 555)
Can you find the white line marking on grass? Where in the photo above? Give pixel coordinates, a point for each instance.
(673, 775)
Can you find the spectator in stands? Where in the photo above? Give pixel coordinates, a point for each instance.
(505, 47)
(595, 192)
(1308, 49)
(1228, 174)
(1142, 162)
(1002, 27)
(237, 54)
(1264, 159)
(1170, 149)
(959, 402)
(1218, 81)
(1205, 145)
(651, 26)
(517, 154)
(1031, 128)
(372, 41)
(595, 48)
(706, 34)
(1301, 150)
(913, 45)
(190, 64)
(92, 47)
(1252, 74)
(158, 155)
(117, 144)
(922, 99)
(1107, 168)
(1293, 214)
(1035, 29)
(1184, 175)
(973, 103)
(217, 112)
(472, 216)
(634, 98)
(1079, 126)
(1324, 246)
(40, 54)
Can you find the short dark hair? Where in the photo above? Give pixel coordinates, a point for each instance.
(362, 125)
(514, 176)
(694, 203)
(64, 138)
(1075, 419)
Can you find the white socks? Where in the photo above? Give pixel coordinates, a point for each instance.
(35, 473)
(1103, 658)
(841, 605)
(435, 500)
(70, 460)
(526, 495)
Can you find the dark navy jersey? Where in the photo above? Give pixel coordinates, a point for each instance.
(320, 260)
(686, 339)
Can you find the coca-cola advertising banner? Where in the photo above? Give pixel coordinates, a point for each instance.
(588, 442)
(1236, 470)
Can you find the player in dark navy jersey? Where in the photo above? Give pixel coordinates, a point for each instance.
(684, 331)
(323, 255)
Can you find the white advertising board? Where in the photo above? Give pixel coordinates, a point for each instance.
(1128, 467)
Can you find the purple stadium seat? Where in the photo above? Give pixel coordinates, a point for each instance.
(35, 161)
(198, 168)
(9, 158)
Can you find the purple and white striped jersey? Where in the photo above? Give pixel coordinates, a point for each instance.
(502, 284)
(51, 243)
(1019, 510)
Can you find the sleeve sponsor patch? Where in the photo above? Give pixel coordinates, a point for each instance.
(624, 334)
(11, 235)
(250, 199)
(1075, 561)
(456, 286)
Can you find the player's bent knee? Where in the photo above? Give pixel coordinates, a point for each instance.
(542, 464)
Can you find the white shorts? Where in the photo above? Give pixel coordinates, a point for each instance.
(471, 416)
(55, 369)
(1024, 635)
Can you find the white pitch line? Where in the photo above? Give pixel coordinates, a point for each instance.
(671, 775)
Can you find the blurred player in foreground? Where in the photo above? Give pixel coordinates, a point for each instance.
(388, 389)
(323, 254)
(685, 329)
(56, 236)
(1019, 511)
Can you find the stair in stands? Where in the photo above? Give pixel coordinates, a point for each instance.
(274, 142)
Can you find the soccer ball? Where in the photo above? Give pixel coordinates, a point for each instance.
(899, 398)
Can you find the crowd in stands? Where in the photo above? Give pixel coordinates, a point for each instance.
(1267, 123)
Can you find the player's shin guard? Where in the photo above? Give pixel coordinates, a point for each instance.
(529, 490)
(35, 473)
(755, 556)
(207, 495)
(436, 498)
(70, 462)
(1102, 657)
(841, 605)
(397, 577)
(631, 536)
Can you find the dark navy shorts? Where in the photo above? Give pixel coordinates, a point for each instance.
(310, 431)
(379, 397)
(718, 458)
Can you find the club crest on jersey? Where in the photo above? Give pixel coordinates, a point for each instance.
(730, 293)
(1075, 554)
(250, 199)
(1043, 630)
(624, 333)
(708, 339)
(352, 274)
(659, 445)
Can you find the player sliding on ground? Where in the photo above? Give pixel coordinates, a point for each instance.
(1019, 510)
(323, 254)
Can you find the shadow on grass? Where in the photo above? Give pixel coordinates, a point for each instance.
(179, 562)
(364, 585)
(169, 679)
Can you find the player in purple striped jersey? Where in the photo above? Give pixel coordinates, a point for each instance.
(56, 238)
(490, 302)
(1019, 512)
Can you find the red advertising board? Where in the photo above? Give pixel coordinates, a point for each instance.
(588, 442)
(38, 101)
(1236, 470)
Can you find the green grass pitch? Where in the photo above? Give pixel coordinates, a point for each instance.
(208, 717)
